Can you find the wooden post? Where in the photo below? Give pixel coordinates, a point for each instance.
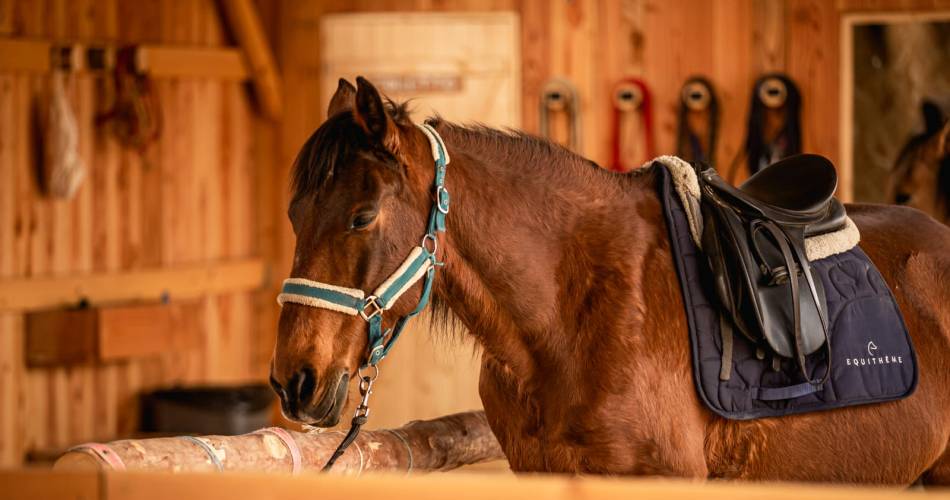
(441, 444)
(246, 27)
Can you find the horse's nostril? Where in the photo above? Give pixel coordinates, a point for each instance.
(307, 385)
(274, 384)
(902, 198)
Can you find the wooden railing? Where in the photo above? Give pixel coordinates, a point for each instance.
(460, 486)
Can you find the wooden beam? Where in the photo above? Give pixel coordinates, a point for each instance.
(439, 444)
(156, 485)
(160, 61)
(39, 483)
(247, 29)
(145, 285)
(190, 62)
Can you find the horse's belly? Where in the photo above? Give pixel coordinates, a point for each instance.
(892, 443)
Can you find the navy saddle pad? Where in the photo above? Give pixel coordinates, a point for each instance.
(872, 356)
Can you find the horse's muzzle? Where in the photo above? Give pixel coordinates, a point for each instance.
(326, 410)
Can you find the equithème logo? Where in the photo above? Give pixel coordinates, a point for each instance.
(873, 358)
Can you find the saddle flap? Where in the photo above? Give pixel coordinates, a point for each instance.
(760, 271)
(774, 305)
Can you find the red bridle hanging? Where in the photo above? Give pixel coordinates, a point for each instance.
(631, 95)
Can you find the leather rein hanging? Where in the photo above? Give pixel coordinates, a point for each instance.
(419, 265)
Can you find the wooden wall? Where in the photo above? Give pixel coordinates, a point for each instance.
(216, 184)
(189, 199)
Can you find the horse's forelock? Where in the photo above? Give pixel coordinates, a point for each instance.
(333, 144)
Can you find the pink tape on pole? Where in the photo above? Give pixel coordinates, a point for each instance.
(288, 440)
(103, 452)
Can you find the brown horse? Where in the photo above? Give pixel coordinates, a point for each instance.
(562, 272)
(920, 177)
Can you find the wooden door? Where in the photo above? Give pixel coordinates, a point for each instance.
(468, 68)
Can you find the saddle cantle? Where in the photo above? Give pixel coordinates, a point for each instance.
(754, 241)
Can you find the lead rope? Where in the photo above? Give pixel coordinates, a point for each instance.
(359, 418)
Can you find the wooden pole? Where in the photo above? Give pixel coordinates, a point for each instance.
(186, 282)
(440, 444)
(247, 29)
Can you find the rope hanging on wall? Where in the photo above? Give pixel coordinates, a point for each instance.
(774, 128)
(560, 96)
(63, 167)
(632, 135)
(697, 121)
(135, 116)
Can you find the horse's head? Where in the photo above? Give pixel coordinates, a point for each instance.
(920, 177)
(359, 207)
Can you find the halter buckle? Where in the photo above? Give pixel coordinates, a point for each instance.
(372, 300)
(443, 208)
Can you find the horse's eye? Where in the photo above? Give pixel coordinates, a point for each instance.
(362, 220)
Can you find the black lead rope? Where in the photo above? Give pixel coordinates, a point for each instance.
(359, 419)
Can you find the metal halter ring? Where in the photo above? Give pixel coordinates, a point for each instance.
(435, 243)
(359, 373)
(377, 310)
(444, 209)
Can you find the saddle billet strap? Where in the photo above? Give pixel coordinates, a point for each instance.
(725, 331)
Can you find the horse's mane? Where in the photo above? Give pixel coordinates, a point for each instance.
(340, 137)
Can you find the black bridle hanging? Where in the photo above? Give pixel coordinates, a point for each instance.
(774, 127)
(698, 122)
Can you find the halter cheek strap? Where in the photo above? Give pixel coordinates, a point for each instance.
(419, 265)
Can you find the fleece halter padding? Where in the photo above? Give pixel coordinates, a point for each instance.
(420, 264)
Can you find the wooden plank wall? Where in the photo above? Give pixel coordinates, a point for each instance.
(189, 199)
(216, 187)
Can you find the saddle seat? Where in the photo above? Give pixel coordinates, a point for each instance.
(798, 190)
(754, 240)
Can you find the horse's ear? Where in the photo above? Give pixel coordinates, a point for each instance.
(371, 115)
(343, 99)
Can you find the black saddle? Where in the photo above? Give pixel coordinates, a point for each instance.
(754, 240)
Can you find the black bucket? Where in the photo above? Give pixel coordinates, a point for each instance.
(224, 410)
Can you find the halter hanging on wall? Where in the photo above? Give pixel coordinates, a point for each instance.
(135, 115)
(774, 127)
(698, 121)
(560, 96)
(632, 109)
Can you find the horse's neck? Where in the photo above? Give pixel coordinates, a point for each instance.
(530, 246)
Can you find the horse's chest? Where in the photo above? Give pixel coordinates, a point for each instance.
(542, 431)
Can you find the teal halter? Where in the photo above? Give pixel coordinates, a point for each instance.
(421, 263)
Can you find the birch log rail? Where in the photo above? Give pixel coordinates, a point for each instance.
(440, 444)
